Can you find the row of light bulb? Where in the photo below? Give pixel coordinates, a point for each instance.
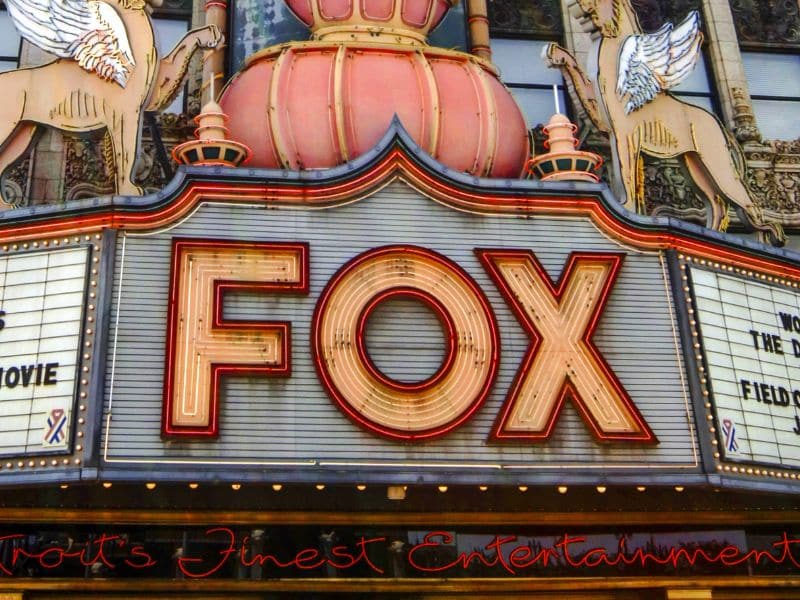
(562, 489)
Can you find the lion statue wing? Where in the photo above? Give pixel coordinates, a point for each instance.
(88, 31)
(650, 63)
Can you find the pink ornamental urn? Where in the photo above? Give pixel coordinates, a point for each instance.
(323, 102)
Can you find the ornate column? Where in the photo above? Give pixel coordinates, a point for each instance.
(214, 59)
(726, 59)
(478, 19)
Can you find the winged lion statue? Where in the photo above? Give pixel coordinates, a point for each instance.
(107, 72)
(629, 99)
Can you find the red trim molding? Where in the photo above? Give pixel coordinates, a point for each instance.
(395, 163)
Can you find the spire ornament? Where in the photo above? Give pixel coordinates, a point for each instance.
(211, 146)
(564, 161)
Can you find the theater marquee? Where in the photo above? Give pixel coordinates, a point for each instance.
(428, 336)
(41, 308)
(561, 364)
(390, 334)
(750, 330)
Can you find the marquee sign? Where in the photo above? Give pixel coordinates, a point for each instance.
(377, 336)
(42, 297)
(562, 363)
(393, 339)
(750, 329)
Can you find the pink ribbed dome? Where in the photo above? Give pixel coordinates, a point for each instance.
(318, 104)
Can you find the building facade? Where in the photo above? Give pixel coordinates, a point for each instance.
(380, 358)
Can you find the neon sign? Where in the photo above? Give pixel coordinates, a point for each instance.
(203, 344)
(220, 551)
(562, 362)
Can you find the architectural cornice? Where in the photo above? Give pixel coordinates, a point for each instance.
(395, 157)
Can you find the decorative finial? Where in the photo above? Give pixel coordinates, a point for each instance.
(563, 161)
(745, 126)
(212, 146)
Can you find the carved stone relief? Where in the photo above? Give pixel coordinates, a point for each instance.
(765, 23)
(669, 190)
(774, 177)
(773, 165)
(540, 19)
(16, 182)
(86, 172)
(88, 164)
(654, 13)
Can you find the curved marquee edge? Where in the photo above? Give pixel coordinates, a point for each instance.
(396, 156)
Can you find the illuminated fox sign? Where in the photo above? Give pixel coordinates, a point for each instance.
(561, 362)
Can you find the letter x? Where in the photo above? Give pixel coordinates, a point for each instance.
(562, 360)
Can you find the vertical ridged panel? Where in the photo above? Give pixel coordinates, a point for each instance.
(292, 418)
(460, 126)
(431, 108)
(302, 120)
(489, 117)
(249, 92)
(339, 113)
(512, 149)
(328, 104)
(378, 85)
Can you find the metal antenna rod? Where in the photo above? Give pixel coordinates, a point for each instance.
(555, 98)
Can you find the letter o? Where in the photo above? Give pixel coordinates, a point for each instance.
(12, 381)
(399, 410)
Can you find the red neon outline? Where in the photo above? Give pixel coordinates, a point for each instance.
(486, 256)
(345, 406)
(445, 320)
(395, 163)
(180, 246)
